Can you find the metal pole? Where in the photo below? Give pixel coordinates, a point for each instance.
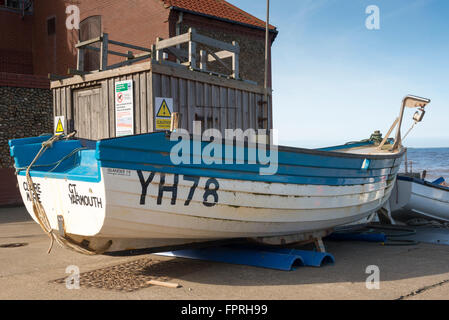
(406, 161)
(267, 33)
(267, 26)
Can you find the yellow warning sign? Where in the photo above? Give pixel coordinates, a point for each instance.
(59, 127)
(164, 111)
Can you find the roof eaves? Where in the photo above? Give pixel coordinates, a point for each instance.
(249, 16)
(272, 30)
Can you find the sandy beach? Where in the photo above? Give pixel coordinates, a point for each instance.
(28, 272)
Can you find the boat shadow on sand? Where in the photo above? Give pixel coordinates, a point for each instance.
(352, 259)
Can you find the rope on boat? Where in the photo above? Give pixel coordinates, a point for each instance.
(421, 222)
(401, 232)
(54, 164)
(39, 210)
(405, 136)
(390, 236)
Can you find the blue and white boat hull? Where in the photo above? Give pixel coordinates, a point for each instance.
(142, 201)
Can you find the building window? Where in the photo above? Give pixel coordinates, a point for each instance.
(91, 28)
(13, 4)
(51, 26)
(25, 6)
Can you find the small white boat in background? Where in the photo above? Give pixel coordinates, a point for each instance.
(415, 197)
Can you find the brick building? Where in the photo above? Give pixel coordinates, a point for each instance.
(25, 98)
(35, 42)
(39, 42)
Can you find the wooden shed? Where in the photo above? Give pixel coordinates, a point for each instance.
(88, 100)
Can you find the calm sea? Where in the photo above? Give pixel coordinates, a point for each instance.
(434, 160)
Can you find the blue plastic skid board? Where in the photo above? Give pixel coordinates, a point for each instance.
(349, 236)
(264, 257)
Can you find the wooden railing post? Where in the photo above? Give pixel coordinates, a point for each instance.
(80, 60)
(158, 52)
(192, 49)
(235, 61)
(104, 52)
(203, 61)
(130, 55)
(153, 52)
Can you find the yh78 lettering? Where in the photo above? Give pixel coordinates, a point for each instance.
(210, 195)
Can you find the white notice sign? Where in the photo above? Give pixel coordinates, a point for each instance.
(124, 108)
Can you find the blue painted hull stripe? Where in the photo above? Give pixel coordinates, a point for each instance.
(298, 168)
(150, 152)
(251, 176)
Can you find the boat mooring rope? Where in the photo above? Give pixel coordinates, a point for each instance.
(39, 210)
(401, 232)
(421, 222)
(54, 164)
(409, 130)
(398, 232)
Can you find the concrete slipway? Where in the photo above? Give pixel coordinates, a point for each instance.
(407, 272)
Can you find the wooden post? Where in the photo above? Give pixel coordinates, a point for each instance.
(104, 52)
(192, 50)
(153, 52)
(203, 61)
(174, 125)
(130, 55)
(320, 245)
(164, 284)
(388, 133)
(80, 62)
(235, 61)
(159, 52)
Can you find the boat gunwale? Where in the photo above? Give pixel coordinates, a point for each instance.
(288, 149)
(422, 182)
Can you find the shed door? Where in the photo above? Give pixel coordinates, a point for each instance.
(90, 120)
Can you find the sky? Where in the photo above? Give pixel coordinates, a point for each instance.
(336, 81)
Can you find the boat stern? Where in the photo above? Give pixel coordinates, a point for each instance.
(67, 182)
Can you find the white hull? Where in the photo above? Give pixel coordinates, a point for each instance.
(116, 208)
(414, 199)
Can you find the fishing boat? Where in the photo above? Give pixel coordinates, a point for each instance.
(414, 197)
(129, 193)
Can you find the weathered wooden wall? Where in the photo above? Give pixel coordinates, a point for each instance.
(88, 102)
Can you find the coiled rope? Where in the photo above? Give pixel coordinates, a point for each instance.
(39, 210)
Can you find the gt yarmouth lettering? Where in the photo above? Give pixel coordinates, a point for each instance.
(83, 200)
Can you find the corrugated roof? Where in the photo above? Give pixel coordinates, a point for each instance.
(218, 8)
